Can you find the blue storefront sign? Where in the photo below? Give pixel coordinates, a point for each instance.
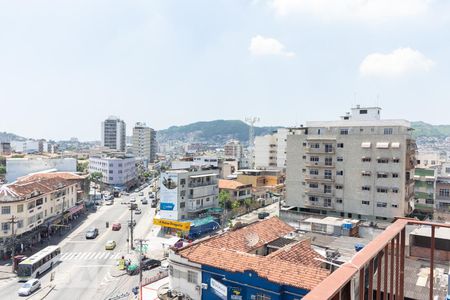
(166, 206)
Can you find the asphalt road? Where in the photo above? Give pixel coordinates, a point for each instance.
(87, 270)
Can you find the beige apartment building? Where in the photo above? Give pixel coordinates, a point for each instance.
(358, 167)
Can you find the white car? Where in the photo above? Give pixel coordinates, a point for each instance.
(29, 287)
(109, 202)
(133, 199)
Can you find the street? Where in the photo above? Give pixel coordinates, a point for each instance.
(87, 270)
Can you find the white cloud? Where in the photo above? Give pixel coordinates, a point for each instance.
(366, 10)
(395, 64)
(260, 45)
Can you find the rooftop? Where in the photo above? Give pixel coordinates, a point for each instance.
(231, 184)
(359, 123)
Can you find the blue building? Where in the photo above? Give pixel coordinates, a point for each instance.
(256, 262)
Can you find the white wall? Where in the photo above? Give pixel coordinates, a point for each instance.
(18, 167)
(178, 276)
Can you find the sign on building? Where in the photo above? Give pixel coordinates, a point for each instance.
(219, 289)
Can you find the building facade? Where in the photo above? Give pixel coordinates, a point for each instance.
(233, 149)
(270, 150)
(144, 142)
(237, 191)
(113, 134)
(117, 170)
(442, 194)
(187, 194)
(359, 167)
(5, 148)
(424, 190)
(37, 202)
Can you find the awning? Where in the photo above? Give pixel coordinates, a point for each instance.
(395, 145)
(365, 145)
(203, 175)
(383, 145)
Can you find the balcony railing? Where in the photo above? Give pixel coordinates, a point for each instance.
(319, 192)
(382, 259)
(319, 178)
(310, 150)
(319, 164)
(319, 204)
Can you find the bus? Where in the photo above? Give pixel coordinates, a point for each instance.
(38, 263)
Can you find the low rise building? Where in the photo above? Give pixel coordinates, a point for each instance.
(117, 170)
(442, 194)
(5, 148)
(37, 202)
(258, 261)
(424, 187)
(237, 191)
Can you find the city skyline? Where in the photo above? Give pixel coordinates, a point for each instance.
(67, 66)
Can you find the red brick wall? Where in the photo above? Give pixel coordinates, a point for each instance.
(422, 252)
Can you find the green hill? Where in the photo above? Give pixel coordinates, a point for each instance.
(218, 131)
(422, 129)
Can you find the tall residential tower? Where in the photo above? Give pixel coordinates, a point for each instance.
(114, 134)
(144, 142)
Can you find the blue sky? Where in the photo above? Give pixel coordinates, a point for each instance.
(66, 65)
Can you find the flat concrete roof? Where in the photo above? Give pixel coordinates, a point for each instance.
(440, 233)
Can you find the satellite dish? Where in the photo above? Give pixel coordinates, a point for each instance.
(252, 239)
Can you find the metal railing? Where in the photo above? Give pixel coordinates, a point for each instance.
(389, 247)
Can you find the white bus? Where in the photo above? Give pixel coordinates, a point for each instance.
(38, 263)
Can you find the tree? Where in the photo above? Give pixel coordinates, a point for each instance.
(2, 169)
(224, 200)
(82, 166)
(96, 177)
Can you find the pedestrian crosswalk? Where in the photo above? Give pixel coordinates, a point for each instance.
(102, 255)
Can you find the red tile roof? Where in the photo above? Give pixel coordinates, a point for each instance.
(231, 184)
(292, 265)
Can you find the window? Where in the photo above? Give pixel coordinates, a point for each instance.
(381, 204)
(444, 192)
(327, 189)
(395, 190)
(192, 277)
(111, 171)
(313, 198)
(339, 187)
(388, 131)
(5, 226)
(313, 172)
(6, 210)
(31, 205)
(314, 158)
(314, 185)
(363, 112)
(366, 174)
(182, 181)
(394, 175)
(364, 202)
(339, 200)
(328, 174)
(340, 158)
(340, 145)
(396, 160)
(383, 160)
(182, 204)
(39, 202)
(394, 205)
(327, 202)
(20, 224)
(343, 131)
(382, 190)
(19, 208)
(382, 175)
(340, 173)
(120, 171)
(366, 159)
(429, 201)
(365, 188)
(314, 145)
(328, 161)
(328, 148)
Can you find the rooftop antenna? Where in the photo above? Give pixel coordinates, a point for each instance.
(251, 137)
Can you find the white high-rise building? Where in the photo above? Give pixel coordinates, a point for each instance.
(270, 150)
(144, 142)
(114, 134)
(359, 167)
(233, 149)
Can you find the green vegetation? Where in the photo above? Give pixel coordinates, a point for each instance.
(2, 170)
(82, 166)
(214, 131)
(225, 200)
(422, 129)
(18, 156)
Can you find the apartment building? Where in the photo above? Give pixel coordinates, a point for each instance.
(237, 191)
(117, 170)
(37, 202)
(114, 134)
(358, 167)
(187, 195)
(5, 148)
(144, 142)
(233, 149)
(442, 194)
(424, 189)
(270, 150)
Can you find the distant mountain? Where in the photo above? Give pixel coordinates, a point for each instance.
(7, 137)
(422, 129)
(218, 131)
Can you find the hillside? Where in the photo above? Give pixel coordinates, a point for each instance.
(424, 129)
(218, 131)
(7, 137)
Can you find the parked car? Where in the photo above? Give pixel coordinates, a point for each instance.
(109, 202)
(141, 193)
(133, 199)
(29, 287)
(144, 201)
(152, 195)
(137, 211)
(110, 245)
(263, 215)
(92, 233)
(154, 203)
(116, 226)
(147, 264)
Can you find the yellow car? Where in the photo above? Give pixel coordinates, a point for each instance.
(110, 245)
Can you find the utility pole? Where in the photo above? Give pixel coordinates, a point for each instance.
(131, 226)
(13, 237)
(140, 266)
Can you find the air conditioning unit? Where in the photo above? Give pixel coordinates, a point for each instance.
(204, 286)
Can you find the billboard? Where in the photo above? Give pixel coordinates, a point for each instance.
(168, 194)
(184, 226)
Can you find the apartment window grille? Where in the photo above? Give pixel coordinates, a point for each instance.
(5, 226)
(192, 277)
(383, 160)
(328, 161)
(6, 210)
(314, 185)
(314, 145)
(19, 208)
(328, 148)
(314, 159)
(313, 198)
(340, 173)
(340, 145)
(444, 192)
(327, 202)
(429, 201)
(365, 188)
(366, 159)
(327, 189)
(39, 201)
(328, 174)
(381, 204)
(313, 172)
(382, 190)
(344, 131)
(388, 131)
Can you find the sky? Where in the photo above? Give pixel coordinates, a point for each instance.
(67, 65)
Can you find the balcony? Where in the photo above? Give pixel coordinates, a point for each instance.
(382, 261)
(193, 207)
(319, 204)
(319, 178)
(321, 150)
(318, 192)
(320, 164)
(201, 184)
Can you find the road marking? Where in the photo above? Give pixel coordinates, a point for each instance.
(92, 266)
(83, 256)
